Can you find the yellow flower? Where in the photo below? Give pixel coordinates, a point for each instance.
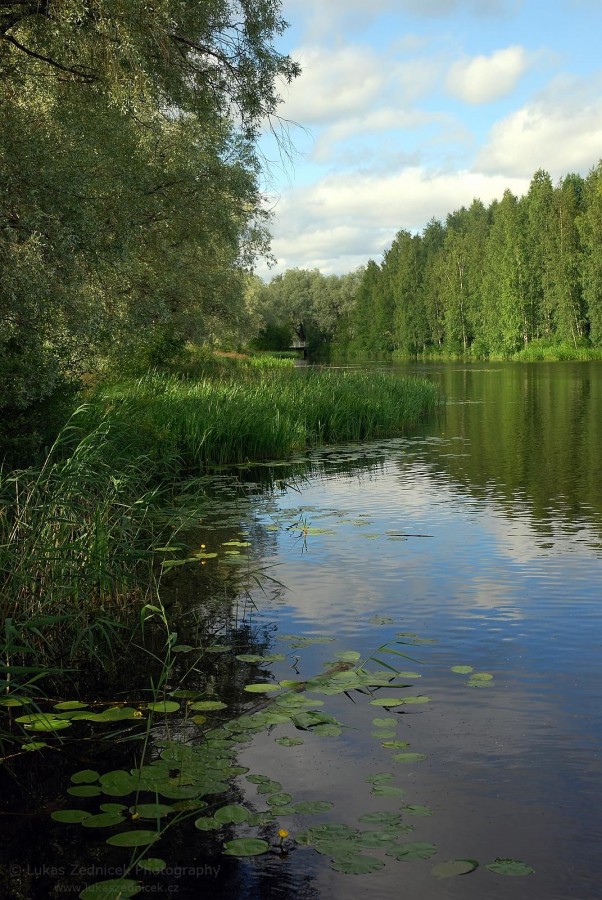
(202, 546)
(283, 833)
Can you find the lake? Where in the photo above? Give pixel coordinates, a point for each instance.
(472, 544)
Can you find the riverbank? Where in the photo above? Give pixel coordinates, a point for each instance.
(79, 534)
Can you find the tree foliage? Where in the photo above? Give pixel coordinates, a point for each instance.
(130, 202)
(489, 281)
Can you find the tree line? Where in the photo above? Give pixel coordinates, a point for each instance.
(487, 281)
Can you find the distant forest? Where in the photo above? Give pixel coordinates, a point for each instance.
(489, 281)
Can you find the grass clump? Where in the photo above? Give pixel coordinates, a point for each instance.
(251, 413)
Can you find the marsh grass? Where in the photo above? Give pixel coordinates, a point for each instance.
(254, 414)
(79, 534)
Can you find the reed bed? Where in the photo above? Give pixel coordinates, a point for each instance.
(78, 535)
(258, 414)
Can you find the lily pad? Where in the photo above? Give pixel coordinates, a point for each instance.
(510, 867)
(84, 790)
(153, 864)
(207, 705)
(265, 688)
(246, 847)
(462, 670)
(164, 706)
(133, 838)
(313, 807)
(387, 701)
(418, 810)
(288, 741)
(416, 850)
(70, 816)
(356, 864)
(387, 790)
(152, 810)
(452, 867)
(234, 813)
(207, 823)
(381, 818)
(103, 820)
(86, 776)
(409, 758)
(387, 722)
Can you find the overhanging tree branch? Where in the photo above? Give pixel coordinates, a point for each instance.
(75, 71)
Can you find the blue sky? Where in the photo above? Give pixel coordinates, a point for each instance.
(409, 109)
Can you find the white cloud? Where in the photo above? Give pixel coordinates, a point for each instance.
(486, 78)
(560, 131)
(352, 80)
(344, 219)
(321, 17)
(333, 84)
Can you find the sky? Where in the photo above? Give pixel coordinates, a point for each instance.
(407, 110)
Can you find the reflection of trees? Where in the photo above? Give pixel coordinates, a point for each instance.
(532, 436)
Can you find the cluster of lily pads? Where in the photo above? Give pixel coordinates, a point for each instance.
(189, 780)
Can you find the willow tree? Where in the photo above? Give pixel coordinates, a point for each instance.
(130, 202)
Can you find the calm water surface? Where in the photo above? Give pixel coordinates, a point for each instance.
(481, 533)
(476, 542)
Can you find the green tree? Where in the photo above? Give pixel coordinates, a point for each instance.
(130, 203)
(589, 224)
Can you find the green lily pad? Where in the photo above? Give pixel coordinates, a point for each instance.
(86, 776)
(114, 714)
(395, 745)
(388, 722)
(409, 758)
(265, 688)
(70, 816)
(462, 670)
(164, 706)
(279, 798)
(387, 790)
(387, 701)
(328, 730)
(356, 864)
(103, 820)
(207, 823)
(84, 790)
(510, 867)
(422, 811)
(34, 745)
(70, 704)
(152, 810)
(246, 847)
(416, 850)
(381, 818)
(153, 864)
(233, 813)
(312, 807)
(380, 778)
(289, 742)
(43, 722)
(452, 867)
(133, 838)
(207, 705)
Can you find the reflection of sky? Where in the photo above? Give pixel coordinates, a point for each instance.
(513, 770)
